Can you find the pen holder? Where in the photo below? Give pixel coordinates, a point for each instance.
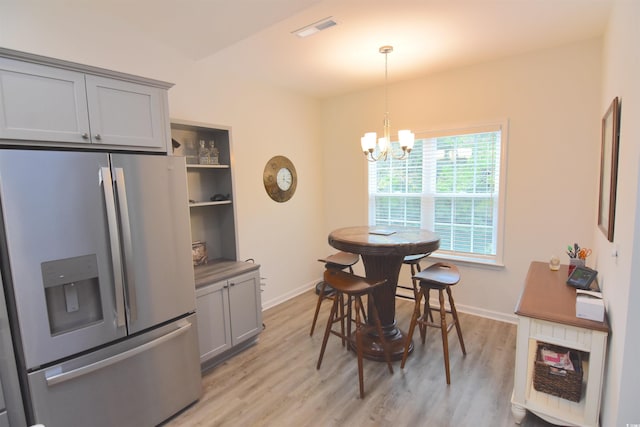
(575, 262)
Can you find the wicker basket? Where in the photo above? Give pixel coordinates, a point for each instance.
(558, 382)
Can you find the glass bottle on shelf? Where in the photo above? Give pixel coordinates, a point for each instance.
(214, 153)
(203, 154)
(190, 152)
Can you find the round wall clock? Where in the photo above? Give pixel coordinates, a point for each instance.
(280, 178)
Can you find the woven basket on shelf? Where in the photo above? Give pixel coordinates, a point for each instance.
(558, 382)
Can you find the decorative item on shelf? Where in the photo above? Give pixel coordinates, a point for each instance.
(190, 152)
(220, 197)
(203, 154)
(199, 253)
(554, 263)
(406, 137)
(577, 256)
(214, 153)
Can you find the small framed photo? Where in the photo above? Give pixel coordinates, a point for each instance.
(609, 169)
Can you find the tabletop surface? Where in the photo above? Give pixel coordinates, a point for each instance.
(546, 296)
(377, 240)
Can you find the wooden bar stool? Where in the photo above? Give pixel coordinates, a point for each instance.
(414, 262)
(337, 261)
(354, 287)
(441, 277)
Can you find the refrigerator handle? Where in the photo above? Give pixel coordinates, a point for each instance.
(127, 244)
(112, 221)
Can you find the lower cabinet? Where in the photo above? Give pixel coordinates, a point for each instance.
(229, 314)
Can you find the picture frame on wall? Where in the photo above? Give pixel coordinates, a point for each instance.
(609, 169)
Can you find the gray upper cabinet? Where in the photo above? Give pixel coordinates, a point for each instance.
(124, 113)
(64, 104)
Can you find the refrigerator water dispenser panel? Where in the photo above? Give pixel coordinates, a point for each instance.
(72, 292)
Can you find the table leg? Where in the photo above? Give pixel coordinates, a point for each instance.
(384, 267)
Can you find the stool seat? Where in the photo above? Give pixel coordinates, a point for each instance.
(341, 259)
(439, 275)
(414, 259)
(350, 284)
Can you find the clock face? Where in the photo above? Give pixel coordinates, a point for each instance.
(283, 179)
(280, 178)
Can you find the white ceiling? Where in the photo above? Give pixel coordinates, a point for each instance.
(428, 35)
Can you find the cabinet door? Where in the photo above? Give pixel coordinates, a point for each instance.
(245, 306)
(125, 113)
(41, 103)
(212, 311)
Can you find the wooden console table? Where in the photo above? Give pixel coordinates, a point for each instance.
(547, 313)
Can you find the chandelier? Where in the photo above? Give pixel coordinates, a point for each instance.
(406, 138)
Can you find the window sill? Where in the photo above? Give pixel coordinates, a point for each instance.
(470, 260)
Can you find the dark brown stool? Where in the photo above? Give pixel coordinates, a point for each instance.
(414, 262)
(354, 287)
(337, 261)
(441, 277)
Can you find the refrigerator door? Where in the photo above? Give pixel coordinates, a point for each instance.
(153, 207)
(58, 255)
(137, 382)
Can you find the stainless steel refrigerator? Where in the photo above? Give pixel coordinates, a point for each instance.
(97, 270)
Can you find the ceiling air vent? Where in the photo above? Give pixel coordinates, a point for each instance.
(315, 27)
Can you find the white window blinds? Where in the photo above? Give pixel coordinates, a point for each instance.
(450, 184)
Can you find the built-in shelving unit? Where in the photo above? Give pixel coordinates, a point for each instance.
(212, 221)
(228, 304)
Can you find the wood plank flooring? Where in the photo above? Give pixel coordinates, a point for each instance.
(275, 382)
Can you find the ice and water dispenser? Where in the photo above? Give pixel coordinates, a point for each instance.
(72, 291)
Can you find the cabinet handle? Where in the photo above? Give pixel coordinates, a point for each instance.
(233, 284)
(98, 137)
(85, 136)
(226, 286)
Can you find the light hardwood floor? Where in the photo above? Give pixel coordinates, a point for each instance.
(275, 382)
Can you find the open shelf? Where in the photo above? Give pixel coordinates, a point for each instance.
(197, 166)
(200, 204)
(552, 408)
(212, 221)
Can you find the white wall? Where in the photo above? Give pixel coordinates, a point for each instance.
(551, 99)
(284, 238)
(619, 274)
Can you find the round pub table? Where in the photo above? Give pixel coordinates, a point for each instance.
(382, 250)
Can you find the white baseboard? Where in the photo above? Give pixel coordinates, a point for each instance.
(476, 311)
(480, 312)
(291, 294)
(494, 315)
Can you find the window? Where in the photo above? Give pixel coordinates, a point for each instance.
(453, 184)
